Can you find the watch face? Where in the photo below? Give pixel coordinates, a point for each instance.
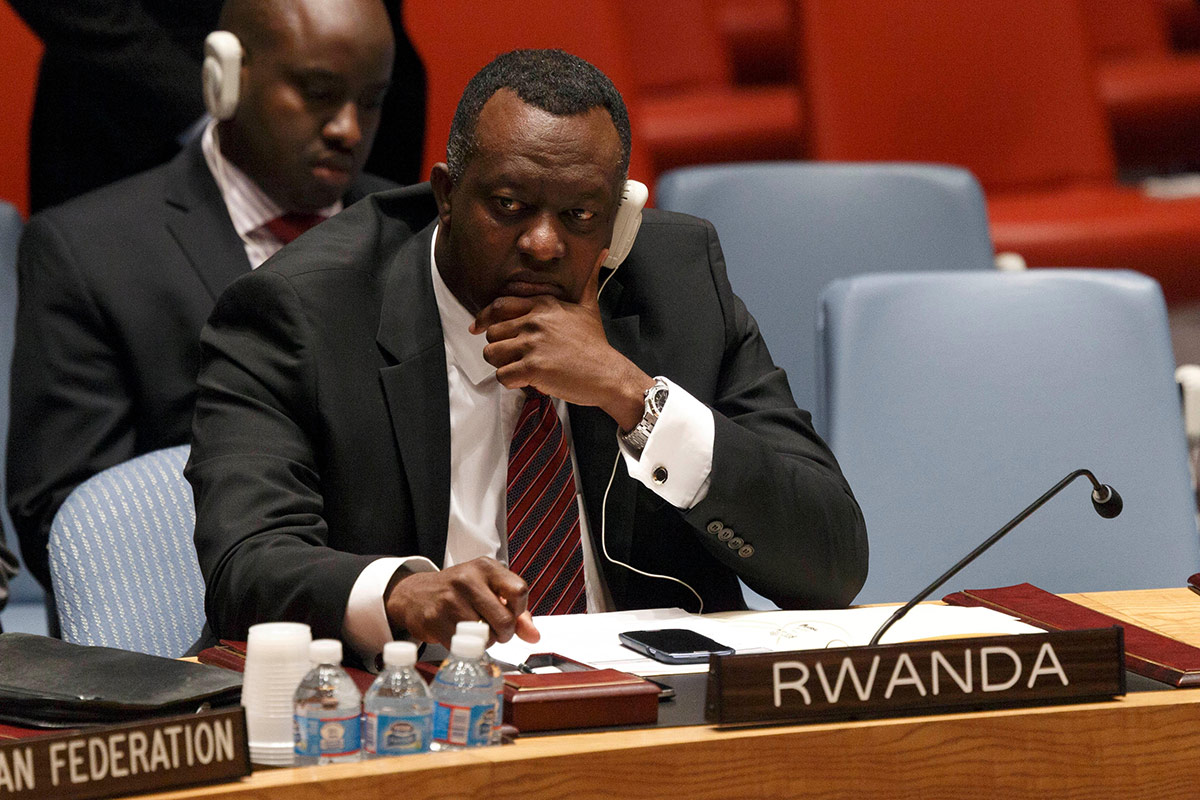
(658, 398)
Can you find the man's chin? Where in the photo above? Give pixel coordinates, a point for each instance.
(317, 198)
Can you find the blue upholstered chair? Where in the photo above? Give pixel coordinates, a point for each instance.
(955, 400)
(122, 561)
(26, 609)
(788, 229)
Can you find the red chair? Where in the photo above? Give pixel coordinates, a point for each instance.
(1006, 89)
(456, 37)
(685, 100)
(1152, 93)
(1183, 21)
(759, 36)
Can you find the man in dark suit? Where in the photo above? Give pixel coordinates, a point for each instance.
(116, 285)
(357, 397)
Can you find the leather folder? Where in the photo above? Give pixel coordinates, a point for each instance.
(580, 696)
(596, 698)
(1146, 652)
(49, 683)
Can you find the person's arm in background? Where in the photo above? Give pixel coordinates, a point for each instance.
(124, 44)
(402, 117)
(71, 413)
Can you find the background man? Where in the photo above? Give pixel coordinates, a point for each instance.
(115, 285)
(366, 401)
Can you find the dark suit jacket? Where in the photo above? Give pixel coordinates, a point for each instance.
(114, 289)
(321, 436)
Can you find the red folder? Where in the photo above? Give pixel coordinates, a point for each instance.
(1146, 652)
(8, 732)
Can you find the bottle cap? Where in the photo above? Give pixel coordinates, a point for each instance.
(480, 629)
(399, 654)
(325, 651)
(464, 645)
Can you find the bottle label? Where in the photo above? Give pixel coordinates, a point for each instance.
(388, 735)
(329, 736)
(466, 726)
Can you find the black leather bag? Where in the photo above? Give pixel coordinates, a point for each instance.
(49, 683)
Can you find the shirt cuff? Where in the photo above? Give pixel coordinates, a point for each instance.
(365, 626)
(676, 463)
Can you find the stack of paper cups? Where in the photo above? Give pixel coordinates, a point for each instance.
(276, 662)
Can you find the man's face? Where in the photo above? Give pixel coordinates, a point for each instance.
(534, 206)
(310, 101)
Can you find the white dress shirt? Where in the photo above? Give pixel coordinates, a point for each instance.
(483, 416)
(249, 207)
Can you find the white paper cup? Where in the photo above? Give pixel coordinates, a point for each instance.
(273, 755)
(276, 662)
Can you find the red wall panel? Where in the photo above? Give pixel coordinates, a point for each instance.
(18, 76)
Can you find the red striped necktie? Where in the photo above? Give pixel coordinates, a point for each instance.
(289, 226)
(544, 546)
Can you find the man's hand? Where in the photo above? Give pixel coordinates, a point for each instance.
(430, 604)
(559, 348)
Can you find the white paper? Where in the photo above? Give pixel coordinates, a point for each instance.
(592, 638)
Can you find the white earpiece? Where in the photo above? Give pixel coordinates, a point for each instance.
(629, 218)
(222, 73)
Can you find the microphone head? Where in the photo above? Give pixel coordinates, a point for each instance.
(1107, 502)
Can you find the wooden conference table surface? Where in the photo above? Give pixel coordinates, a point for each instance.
(1145, 744)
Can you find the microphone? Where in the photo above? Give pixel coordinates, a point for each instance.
(1105, 500)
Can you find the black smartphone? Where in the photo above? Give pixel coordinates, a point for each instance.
(674, 645)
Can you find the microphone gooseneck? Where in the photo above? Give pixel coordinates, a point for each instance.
(1105, 499)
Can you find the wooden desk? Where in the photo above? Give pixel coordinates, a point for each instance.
(1171, 612)
(1146, 744)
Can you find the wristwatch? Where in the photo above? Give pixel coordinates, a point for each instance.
(655, 399)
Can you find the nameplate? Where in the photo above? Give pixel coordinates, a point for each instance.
(916, 678)
(118, 760)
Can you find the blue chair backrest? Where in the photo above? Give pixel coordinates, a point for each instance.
(788, 229)
(122, 561)
(956, 400)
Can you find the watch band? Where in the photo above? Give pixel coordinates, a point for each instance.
(654, 400)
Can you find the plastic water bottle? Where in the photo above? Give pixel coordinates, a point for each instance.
(482, 631)
(464, 699)
(397, 709)
(327, 709)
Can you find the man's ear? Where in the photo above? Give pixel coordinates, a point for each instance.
(439, 179)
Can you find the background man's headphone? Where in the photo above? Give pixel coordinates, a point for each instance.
(222, 73)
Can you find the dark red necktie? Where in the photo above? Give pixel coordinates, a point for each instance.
(289, 226)
(544, 546)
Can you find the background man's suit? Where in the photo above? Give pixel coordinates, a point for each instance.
(114, 289)
(321, 437)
